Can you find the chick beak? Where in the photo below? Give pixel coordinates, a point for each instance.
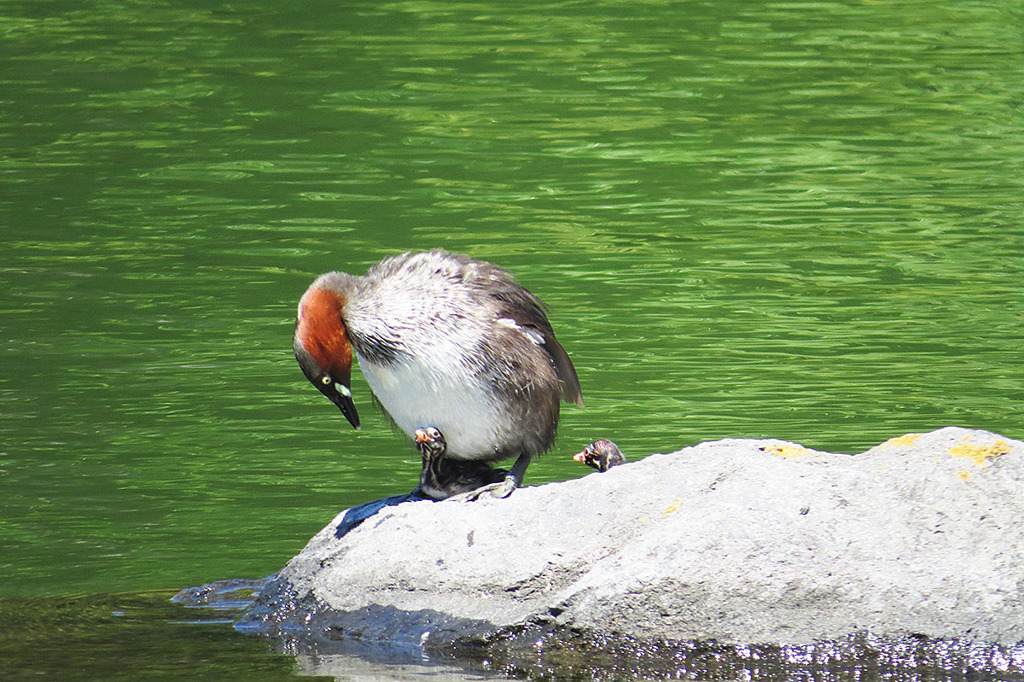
(581, 457)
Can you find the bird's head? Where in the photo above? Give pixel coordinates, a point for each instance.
(323, 350)
(601, 455)
(430, 442)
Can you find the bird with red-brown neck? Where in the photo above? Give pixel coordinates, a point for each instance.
(446, 342)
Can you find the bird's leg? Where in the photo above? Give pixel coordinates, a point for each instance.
(502, 489)
(514, 478)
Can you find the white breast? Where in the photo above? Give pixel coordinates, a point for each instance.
(417, 395)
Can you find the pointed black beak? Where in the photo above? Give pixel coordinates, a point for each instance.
(341, 395)
(336, 390)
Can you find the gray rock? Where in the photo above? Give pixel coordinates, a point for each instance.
(737, 541)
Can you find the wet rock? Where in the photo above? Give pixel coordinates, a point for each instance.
(737, 542)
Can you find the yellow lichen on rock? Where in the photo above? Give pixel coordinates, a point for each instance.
(672, 508)
(979, 454)
(788, 450)
(906, 439)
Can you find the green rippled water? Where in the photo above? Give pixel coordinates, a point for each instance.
(751, 219)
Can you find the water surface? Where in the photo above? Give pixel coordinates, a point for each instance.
(750, 219)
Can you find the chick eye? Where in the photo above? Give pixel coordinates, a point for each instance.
(326, 380)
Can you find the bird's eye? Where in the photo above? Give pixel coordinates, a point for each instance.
(326, 380)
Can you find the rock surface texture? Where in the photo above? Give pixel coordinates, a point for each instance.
(737, 541)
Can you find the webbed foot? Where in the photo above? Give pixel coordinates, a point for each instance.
(502, 489)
